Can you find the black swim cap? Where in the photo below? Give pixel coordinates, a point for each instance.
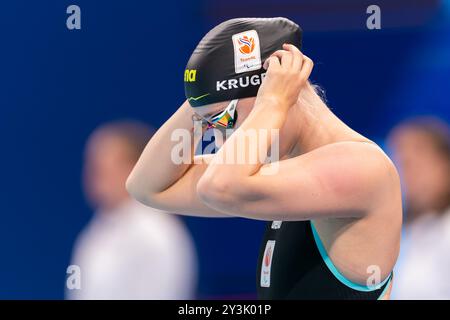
(227, 63)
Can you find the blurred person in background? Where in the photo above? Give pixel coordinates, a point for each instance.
(128, 250)
(421, 147)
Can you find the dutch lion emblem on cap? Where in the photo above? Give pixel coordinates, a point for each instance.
(247, 45)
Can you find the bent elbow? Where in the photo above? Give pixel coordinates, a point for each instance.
(130, 186)
(135, 190)
(217, 193)
(206, 191)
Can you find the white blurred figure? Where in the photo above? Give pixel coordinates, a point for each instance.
(128, 250)
(422, 151)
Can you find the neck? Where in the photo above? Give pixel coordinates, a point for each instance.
(317, 125)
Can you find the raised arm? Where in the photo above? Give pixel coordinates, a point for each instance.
(343, 179)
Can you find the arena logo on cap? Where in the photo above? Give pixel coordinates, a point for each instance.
(247, 52)
(189, 75)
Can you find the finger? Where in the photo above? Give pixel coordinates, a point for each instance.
(291, 48)
(297, 56)
(285, 57)
(273, 62)
(307, 67)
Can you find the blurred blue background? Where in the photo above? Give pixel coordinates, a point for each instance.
(127, 61)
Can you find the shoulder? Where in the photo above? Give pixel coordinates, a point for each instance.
(357, 169)
(365, 151)
(360, 157)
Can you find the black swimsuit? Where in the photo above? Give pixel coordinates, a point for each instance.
(293, 264)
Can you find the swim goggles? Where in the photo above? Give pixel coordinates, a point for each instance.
(225, 119)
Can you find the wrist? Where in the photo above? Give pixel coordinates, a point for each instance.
(269, 112)
(272, 103)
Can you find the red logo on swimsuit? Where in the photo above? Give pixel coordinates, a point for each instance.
(267, 257)
(247, 45)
